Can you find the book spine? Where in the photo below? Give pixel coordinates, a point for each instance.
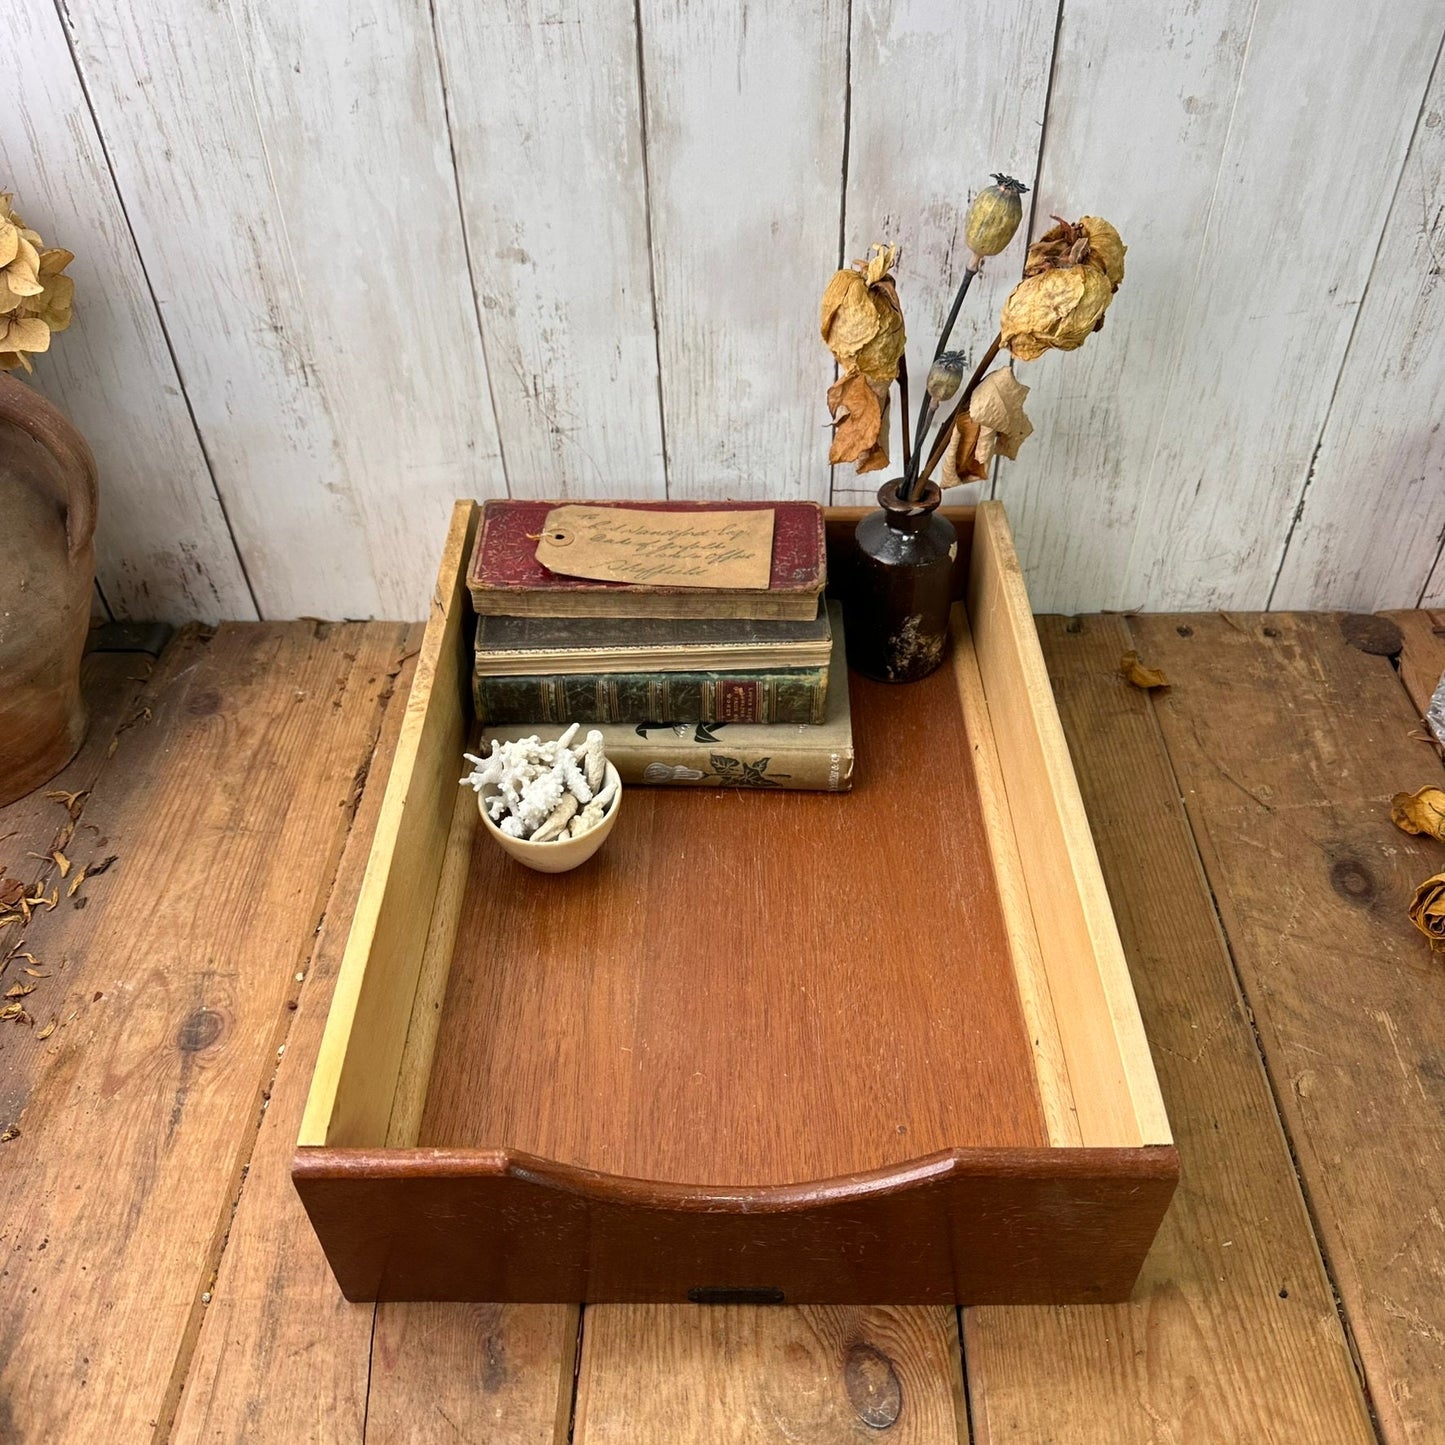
(792, 695)
(803, 769)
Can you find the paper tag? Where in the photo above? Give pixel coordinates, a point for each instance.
(660, 549)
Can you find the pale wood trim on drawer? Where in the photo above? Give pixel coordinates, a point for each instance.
(1115, 1090)
(357, 1069)
(1055, 1093)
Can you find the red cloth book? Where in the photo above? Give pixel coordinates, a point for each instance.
(505, 576)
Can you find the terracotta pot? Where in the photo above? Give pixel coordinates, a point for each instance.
(47, 573)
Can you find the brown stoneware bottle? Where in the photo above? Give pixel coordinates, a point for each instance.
(896, 611)
(47, 569)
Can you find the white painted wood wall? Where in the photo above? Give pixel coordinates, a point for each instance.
(341, 262)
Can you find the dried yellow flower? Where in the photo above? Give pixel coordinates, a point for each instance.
(859, 408)
(997, 405)
(35, 297)
(19, 334)
(1054, 308)
(1106, 248)
(1427, 911)
(19, 258)
(1420, 812)
(1090, 241)
(861, 319)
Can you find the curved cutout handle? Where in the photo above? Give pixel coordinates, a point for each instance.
(25, 408)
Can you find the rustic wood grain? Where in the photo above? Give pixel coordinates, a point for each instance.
(1422, 656)
(225, 806)
(1097, 413)
(256, 1371)
(37, 823)
(585, 167)
(289, 182)
(32, 830)
(745, 116)
(1287, 743)
(486, 1372)
(739, 1375)
(1171, 456)
(911, 64)
(548, 96)
(1382, 423)
(163, 548)
(1232, 1334)
(684, 981)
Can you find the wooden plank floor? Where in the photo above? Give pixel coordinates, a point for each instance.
(158, 1279)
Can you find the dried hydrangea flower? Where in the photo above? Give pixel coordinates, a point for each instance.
(1070, 276)
(35, 298)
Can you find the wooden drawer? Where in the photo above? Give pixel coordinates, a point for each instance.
(848, 1048)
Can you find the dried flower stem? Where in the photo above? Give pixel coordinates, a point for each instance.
(926, 410)
(940, 444)
(973, 270)
(903, 401)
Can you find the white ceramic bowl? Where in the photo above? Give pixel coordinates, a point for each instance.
(564, 854)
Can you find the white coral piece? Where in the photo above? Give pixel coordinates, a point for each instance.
(543, 791)
(593, 760)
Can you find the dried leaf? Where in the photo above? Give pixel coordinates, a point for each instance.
(1135, 672)
(34, 972)
(71, 800)
(10, 1011)
(997, 405)
(860, 416)
(49, 1029)
(11, 1131)
(61, 862)
(12, 890)
(1422, 812)
(75, 883)
(960, 462)
(19, 990)
(96, 869)
(1427, 911)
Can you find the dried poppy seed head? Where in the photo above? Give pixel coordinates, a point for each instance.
(945, 376)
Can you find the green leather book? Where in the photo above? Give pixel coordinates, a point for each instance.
(787, 695)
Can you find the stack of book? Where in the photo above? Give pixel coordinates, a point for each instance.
(689, 685)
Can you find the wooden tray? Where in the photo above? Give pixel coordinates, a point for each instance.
(848, 1048)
